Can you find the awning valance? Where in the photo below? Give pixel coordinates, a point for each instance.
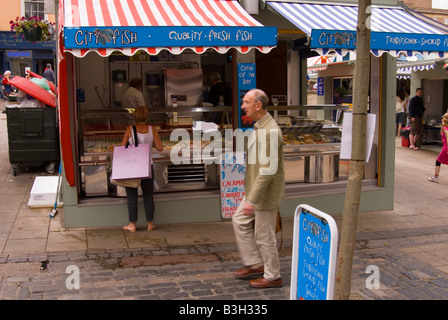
(404, 68)
(333, 28)
(128, 26)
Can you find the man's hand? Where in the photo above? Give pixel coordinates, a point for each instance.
(248, 208)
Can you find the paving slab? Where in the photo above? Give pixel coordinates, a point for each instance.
(408, 244)
(129, 262)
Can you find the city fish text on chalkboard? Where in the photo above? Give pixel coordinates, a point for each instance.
(314, 255)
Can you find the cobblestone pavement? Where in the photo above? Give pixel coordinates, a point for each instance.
(411, 264)
(188, 272)
(205, 272)
(406, 249)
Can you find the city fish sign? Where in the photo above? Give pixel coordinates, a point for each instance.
(343, 39)
(168, 36)
(313, 255)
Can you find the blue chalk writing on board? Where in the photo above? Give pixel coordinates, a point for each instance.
(314, 256)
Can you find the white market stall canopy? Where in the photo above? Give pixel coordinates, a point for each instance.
(333, 28)
(105, 26)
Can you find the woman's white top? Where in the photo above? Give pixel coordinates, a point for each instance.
(147, 138)
(399, 106)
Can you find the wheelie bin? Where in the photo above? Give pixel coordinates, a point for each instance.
(33, 137)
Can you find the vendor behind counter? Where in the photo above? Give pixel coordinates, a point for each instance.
(133, 96)
(220, 95)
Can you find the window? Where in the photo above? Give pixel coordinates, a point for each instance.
(439, 4)
(34, 8)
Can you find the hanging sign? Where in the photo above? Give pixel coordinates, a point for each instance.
(9, 40)
(232, 169)
(346, 39)
(320, 86)
(246, 80)
(314, 255)
(337, 39)
(168, 36)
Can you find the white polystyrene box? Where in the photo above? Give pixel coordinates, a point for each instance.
(43, 192)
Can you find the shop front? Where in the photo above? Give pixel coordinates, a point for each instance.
(18, 55)
(170, 46)
(170, 54)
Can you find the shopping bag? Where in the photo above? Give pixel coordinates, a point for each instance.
(131, 162)
(131, 183)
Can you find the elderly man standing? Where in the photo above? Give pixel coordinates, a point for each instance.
(255, 219)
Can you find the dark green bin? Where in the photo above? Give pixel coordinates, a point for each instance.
(33, 137)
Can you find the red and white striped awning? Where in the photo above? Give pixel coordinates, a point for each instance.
(316, 63)
(80, 14)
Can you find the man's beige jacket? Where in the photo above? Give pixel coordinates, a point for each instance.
(265, 174)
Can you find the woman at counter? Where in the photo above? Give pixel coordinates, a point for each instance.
(145, 134)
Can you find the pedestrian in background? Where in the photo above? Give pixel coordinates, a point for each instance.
(443, 155)
(416, 109)
(254, 221)
(399, 111)
(49, 73)
(145, 134)
(406, 106)
(6, 86)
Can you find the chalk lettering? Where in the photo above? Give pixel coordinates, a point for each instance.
(338, 39)
(218, 35)
(128, 37)
(246, 67)
(242, 35)
(401, 40)
(310, 293)
(184, 36)
(430, 42)
(97, 37)
(313, 260)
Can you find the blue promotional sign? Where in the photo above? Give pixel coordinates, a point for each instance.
(233, 170)
(337, 39)
(314, 255)
(320, 86)
(246, 80)
(345, 39)
(408, 41)
(18, 54)
(168, 36)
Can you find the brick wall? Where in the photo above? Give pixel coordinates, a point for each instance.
(425, 7)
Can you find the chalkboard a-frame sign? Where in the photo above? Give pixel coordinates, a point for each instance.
(314, 255)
